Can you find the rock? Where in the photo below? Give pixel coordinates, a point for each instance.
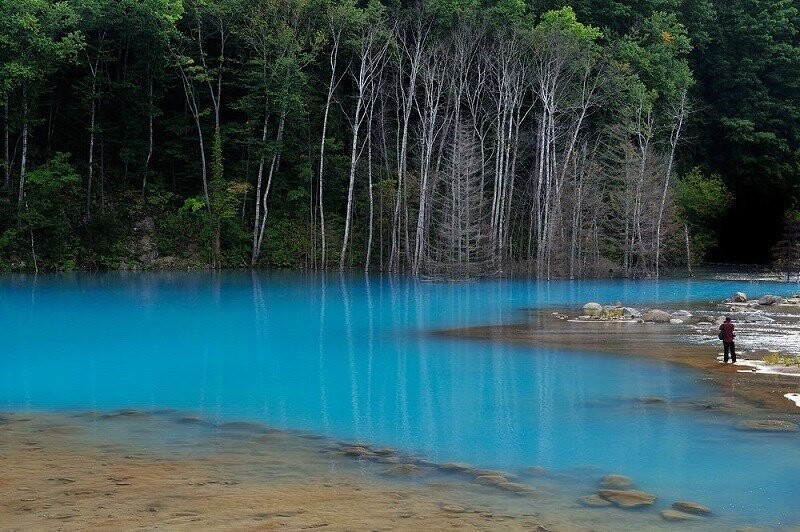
(616, 481)
(594, 501)
(769, 300)
(767, 425)
(691, 508)
(403, 469)
(592, 309)
(758, 317)
(675, 515)
(656, 316)
(453, 509)
(631, 313)
(627, 498)
(357, 452)
(648, 401)
(454, 467)
(516, 487)
(739, 297)
(675, 321)
(704, 324)
(490, 479)
(681, 314)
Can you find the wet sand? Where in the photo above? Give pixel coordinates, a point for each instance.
(661, 342)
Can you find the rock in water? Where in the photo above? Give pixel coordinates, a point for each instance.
(627, 498)
(616, 481)
(675, 515)
(691, 508)
(592, 309)
(769, 300)
(594, 501)
(656, 316)
(676, 321)
(739, 297)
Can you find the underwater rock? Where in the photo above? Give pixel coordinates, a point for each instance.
(453, 509)
(656, 316)
(627, 498)
(454, 467)
(357, 452)
(616, 481)
(767, 425)
(516, 487)
(647, 401)
(403, 469)
(675, 515)
(739, 297)
(490, 479)
(594, 501)
(691, 508)
(592, 309)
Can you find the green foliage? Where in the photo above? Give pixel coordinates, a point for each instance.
(701, 202)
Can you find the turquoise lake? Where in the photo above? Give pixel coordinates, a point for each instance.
(351, 358)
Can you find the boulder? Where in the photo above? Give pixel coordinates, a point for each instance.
(616, 481)
(691, 508)
(739, 297)
(767, 425)
(592, 309)
(631, 313)
(627, 498)
(681, 314)
(594, 501)
(675, 321)
(656, 316)
(675, 515)
(769, 300)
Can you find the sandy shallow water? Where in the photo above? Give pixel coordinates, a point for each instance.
(137, 470)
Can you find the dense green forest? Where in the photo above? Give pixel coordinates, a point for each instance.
(450, 137)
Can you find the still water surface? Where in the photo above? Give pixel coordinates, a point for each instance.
(348, 357)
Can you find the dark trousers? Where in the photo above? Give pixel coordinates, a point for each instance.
(729, 347)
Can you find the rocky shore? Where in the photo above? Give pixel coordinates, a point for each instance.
(767, 372)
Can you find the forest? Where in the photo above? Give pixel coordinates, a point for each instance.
(437, 138)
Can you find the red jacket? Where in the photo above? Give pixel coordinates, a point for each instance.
(727, 331)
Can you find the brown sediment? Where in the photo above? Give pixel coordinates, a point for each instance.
(659, 342)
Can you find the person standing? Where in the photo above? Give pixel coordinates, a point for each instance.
(727, 335)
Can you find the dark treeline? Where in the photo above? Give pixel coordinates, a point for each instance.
(450, 138)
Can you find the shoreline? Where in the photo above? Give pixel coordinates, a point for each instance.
(760, 390)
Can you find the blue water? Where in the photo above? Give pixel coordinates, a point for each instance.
(349, 358)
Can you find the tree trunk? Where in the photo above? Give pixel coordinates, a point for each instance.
(6, 155)
(91, 152)
(24, 160)
(150, 134)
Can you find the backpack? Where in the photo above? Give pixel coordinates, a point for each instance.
(721, 335)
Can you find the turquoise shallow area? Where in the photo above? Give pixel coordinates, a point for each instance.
(348, 357)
